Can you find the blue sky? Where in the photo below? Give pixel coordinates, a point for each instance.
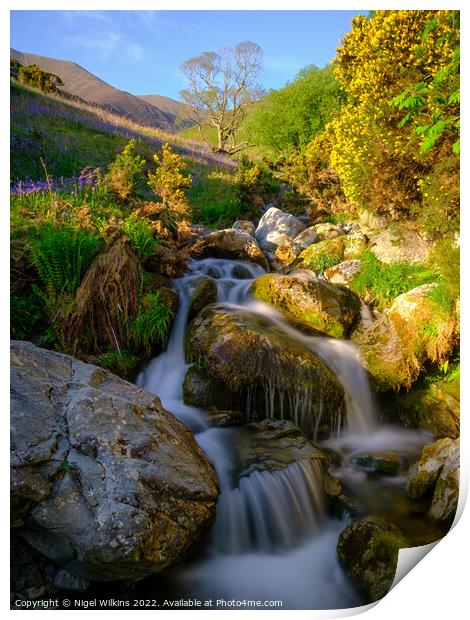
(141, 51)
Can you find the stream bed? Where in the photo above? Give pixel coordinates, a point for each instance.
(274, 537)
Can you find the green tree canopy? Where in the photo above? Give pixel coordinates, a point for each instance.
(286, 120)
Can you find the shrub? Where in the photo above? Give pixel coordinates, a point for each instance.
(125, 173)
(313, 177)
(379, 284)
(152, 325)
(169, 183)
(139, 231)
(62, 255)
(407, 57)
(256, 185)
(34, 76)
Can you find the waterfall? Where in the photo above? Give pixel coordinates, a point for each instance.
(266, 515)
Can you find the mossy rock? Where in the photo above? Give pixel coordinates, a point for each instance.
(355, 244)
(309, 301)
(378, 463)
(247, 353)
(425, 473)
(203, 391)
(411, 332)
(368, 550)
(321, 255)
(434, 407)
(204, 293)
(271, 445)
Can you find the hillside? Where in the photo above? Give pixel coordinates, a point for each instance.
(175, 110)
(81, 83)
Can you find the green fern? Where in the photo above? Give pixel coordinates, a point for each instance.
(61, 256)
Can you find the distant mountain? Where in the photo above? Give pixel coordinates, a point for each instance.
(81, 83)
(176, 110)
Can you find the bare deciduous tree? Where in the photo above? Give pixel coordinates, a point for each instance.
(221, 88)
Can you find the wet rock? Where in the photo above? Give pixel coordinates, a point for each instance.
(66, 581)
(231, 244)
(105, 482)
(203, 391)
(274, 444)
(222, 419)
(328, 231)
(355, 245)
(204, 293)
(379, 463)
(368, 550)
(399, 246)
(437, 470)
(245, 226)
(321, 255)
(309, 301)
(275, 227)
(241, 272)
(247, 354)
(343, 273)
(446, 494)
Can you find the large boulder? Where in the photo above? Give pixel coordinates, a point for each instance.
(105, 482)
(230, 243)
(275, 227)
(321, 255)
(392, 246)
(261, 368)
(368, 550)
(438, 472)
(409, 333)
(309, 301)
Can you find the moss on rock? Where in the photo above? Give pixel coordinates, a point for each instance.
(322, 255)
(248, 354)
(368, 550)
(309, 301)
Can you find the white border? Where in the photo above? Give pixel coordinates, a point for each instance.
(436, 588)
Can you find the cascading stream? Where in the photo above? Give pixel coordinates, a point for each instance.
(264, 517)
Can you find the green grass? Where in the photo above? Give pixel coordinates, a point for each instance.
(381, 283)
(213, 196)
(152, 326)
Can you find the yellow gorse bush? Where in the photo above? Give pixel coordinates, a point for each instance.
(378, 161)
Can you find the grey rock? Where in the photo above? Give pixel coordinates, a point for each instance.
(246, 226)
(105, 482)
(232, 244)
(275, 227)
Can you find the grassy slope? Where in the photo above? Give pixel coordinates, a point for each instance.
(69, 136)
(81, 83)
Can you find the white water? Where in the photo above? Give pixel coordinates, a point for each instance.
(272, 538)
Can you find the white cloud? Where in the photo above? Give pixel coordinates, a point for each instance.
(135, 51)
(103, 43)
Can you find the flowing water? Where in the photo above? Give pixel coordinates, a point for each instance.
(273, 538)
